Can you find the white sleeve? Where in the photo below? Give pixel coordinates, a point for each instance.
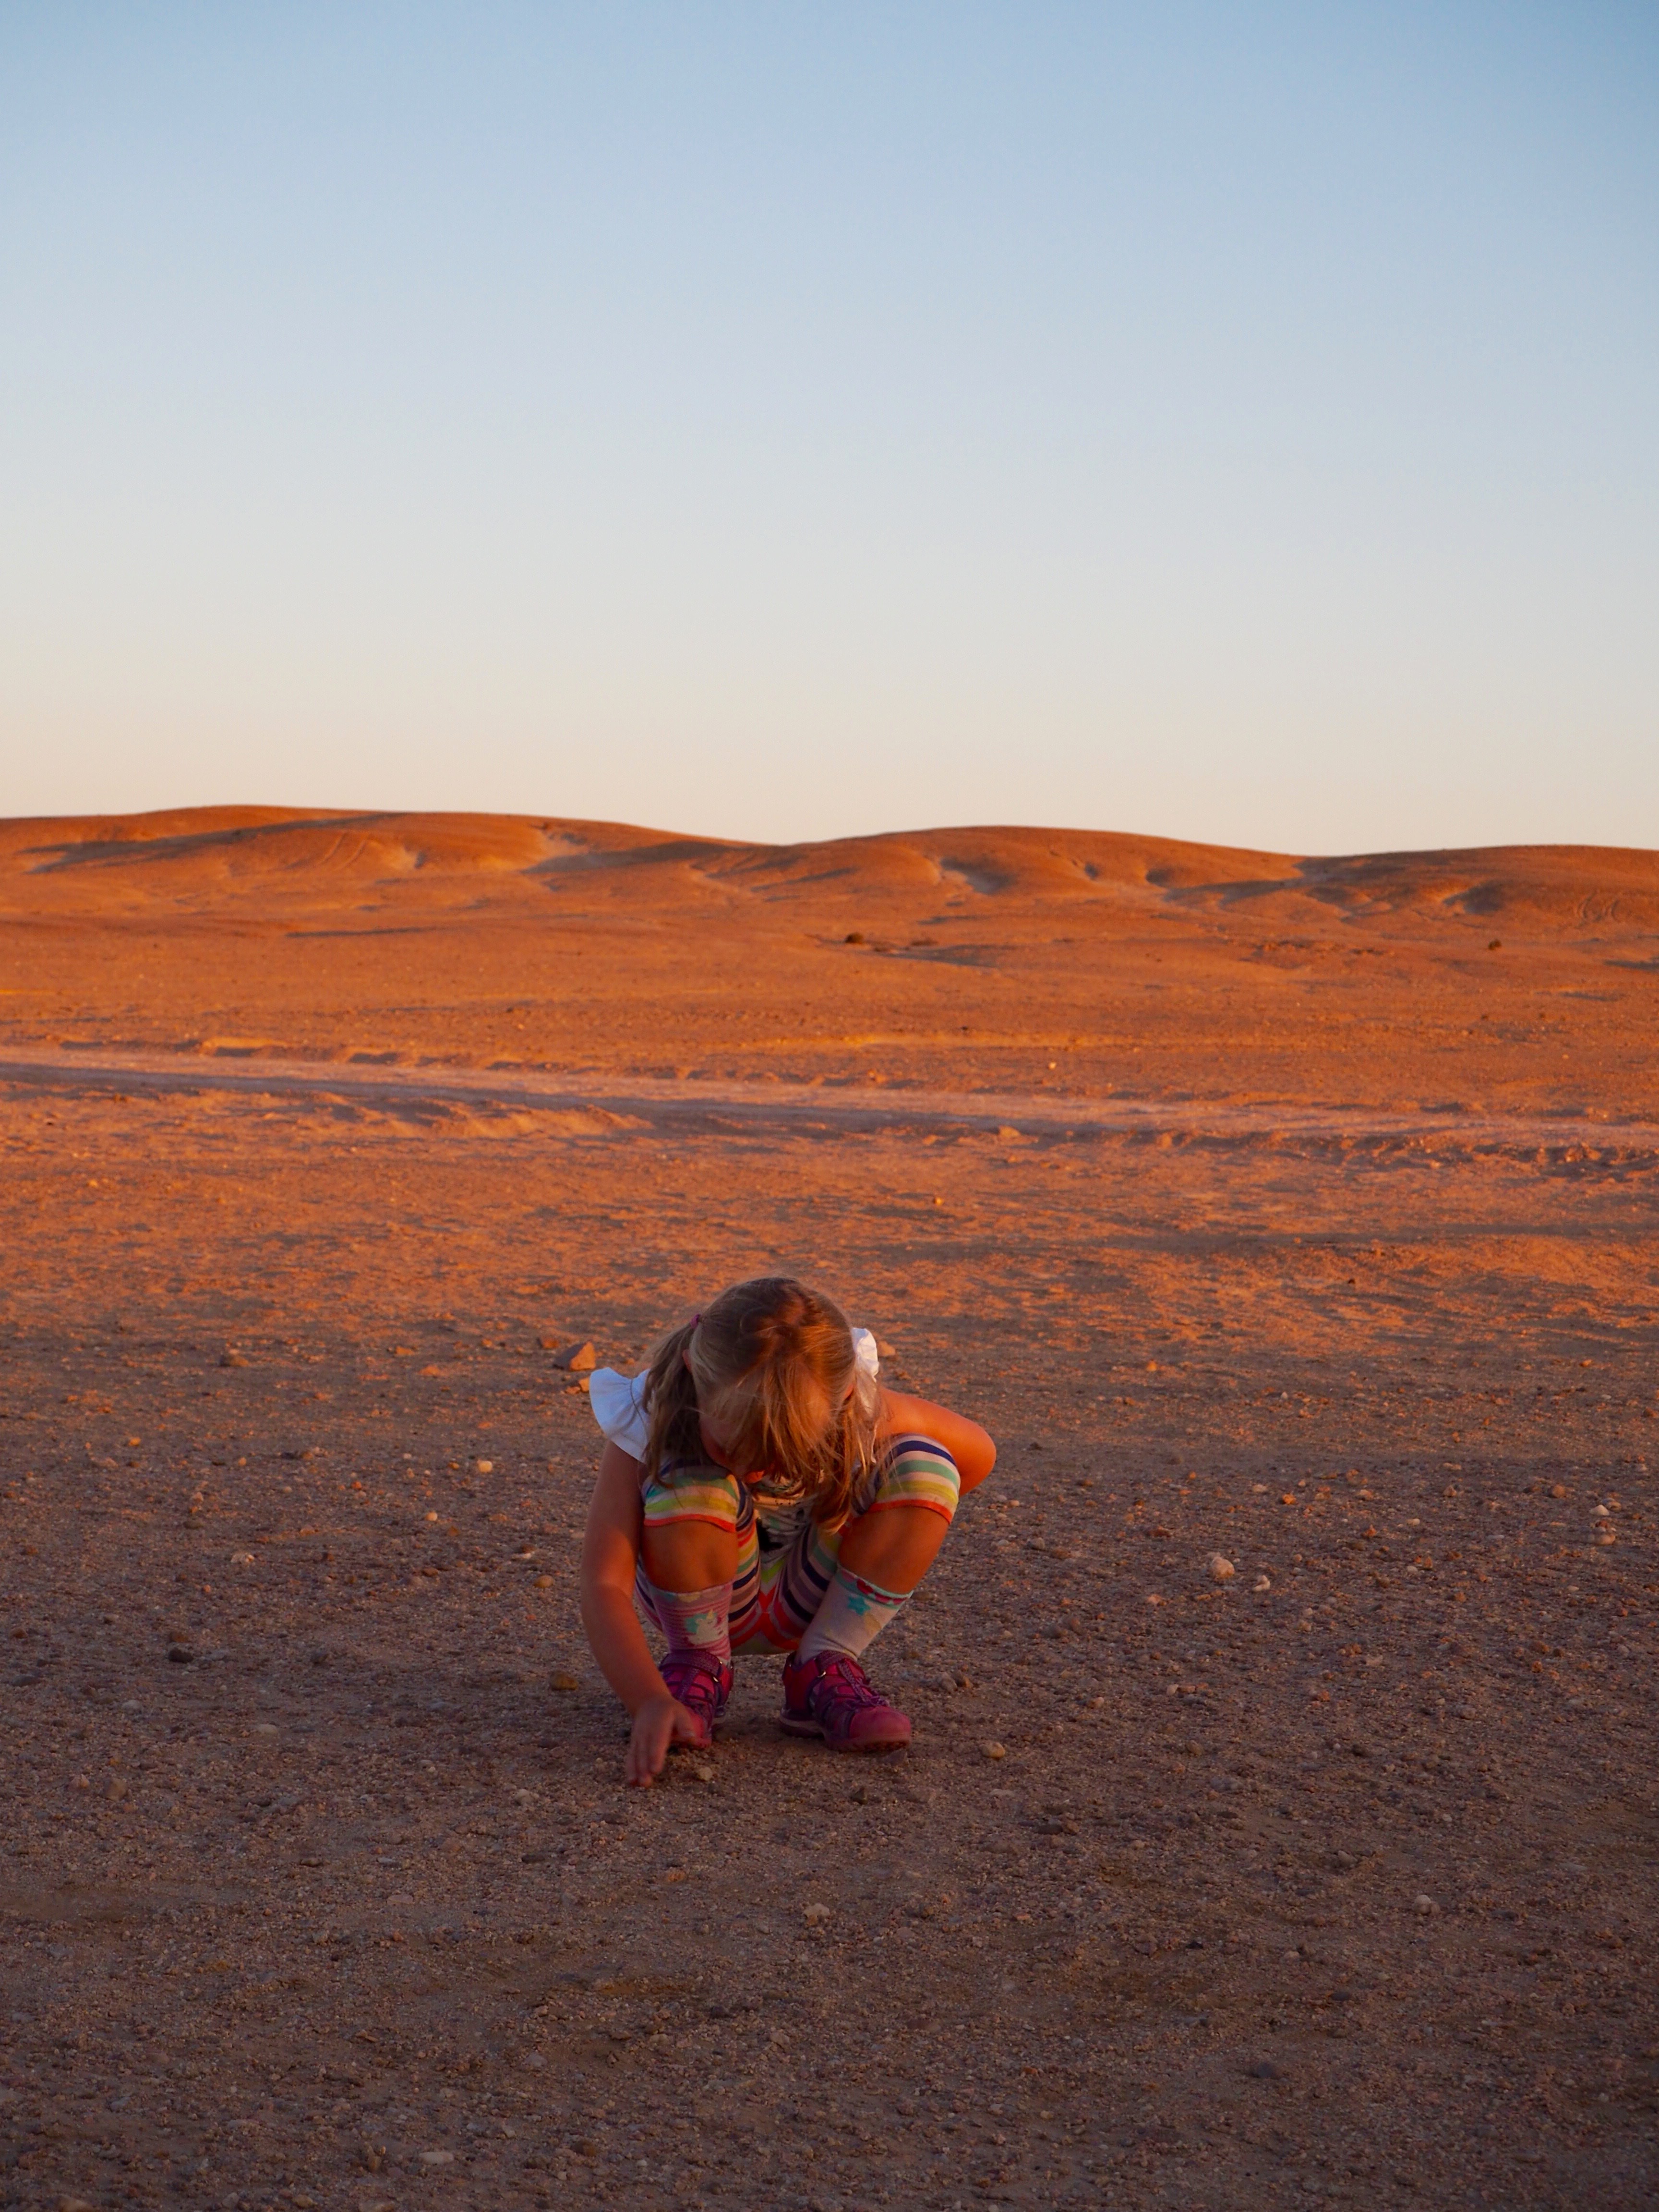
(863, 1350)
(618, 1404)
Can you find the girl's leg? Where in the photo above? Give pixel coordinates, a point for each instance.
(887, 1549)
(691, 1555)
(882, 1554)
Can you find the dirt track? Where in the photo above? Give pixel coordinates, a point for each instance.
(1340, 1889)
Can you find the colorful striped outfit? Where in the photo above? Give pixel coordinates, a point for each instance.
(786, 1562)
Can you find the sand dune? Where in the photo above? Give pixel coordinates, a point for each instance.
(295, 857)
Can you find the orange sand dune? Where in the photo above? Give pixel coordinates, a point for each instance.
(1078, 962)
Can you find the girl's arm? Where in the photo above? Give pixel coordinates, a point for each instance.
(967, 1442)
(611, 1554)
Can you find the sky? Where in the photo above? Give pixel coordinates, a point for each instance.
(1234, 423)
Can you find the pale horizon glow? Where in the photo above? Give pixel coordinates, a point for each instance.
(1233, 423)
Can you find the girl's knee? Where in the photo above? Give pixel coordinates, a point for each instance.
(919, 1472)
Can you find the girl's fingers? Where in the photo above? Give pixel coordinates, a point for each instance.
(655, 1727)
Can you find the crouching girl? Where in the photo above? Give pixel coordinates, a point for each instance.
(761, 1491)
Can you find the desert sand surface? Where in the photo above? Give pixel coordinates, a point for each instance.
(1301, 1211)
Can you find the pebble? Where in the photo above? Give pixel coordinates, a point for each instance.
(994, 1750)
(265, 1727)
(565, 1682)
(1425, 1904)
(542, 1582)
(1221, 1571)
(1600, 1513)
(484, 1466)
(577, 1358)
(1262, 1582)
(815, 1915)
(703, 1772)
(437, 2158)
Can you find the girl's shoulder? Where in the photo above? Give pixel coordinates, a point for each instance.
(618, 1404)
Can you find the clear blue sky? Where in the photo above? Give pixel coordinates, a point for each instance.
(1234, 423)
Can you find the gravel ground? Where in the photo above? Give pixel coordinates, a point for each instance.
(1333, 1881)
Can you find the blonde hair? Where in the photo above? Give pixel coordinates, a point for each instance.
(773, 1363)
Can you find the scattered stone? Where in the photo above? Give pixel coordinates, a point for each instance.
(180, 1654)
(1262, 1582)
(1424, 1905)
(564, 1682)
(437, 2158)
(1221, 1571)
(994, 1750)
(542, 1582)
(577, 1358)
(231, 1357)
(265, 1727)
(117, 1789)
(1264, 2069)
(1600, 1513)
(815, 1915)
(483, 1465)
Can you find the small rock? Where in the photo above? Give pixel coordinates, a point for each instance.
(884, 1350)
(231, 1358)
(565, 1682)
(265, 1727)
(704, 1772)
(180, 1654)
(1221, 1571)
(437, 2158)
(579, 1359)
(994, 1750)
(1264, 2070)
(1600, 1513)
(542, 1581)
(1424, 1905)
(484, 1466)
(1262, 1583)
(1607, 1536)
(117, 1789)
(815, 1915)
(242, 1559)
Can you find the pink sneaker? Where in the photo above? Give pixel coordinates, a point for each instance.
(830, 1696)
(702, 1682)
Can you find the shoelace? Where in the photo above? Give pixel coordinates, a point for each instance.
(843, 1682)
(695, 1680)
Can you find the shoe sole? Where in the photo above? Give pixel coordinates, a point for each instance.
(896, 1741)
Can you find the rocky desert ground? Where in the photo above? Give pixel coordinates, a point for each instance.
(1296, 1214)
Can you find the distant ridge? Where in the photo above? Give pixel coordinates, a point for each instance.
(286, 860)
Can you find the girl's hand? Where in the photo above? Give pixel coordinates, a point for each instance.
(658, 1722)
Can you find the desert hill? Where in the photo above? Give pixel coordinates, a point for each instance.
(199, 858)
(955, 959)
